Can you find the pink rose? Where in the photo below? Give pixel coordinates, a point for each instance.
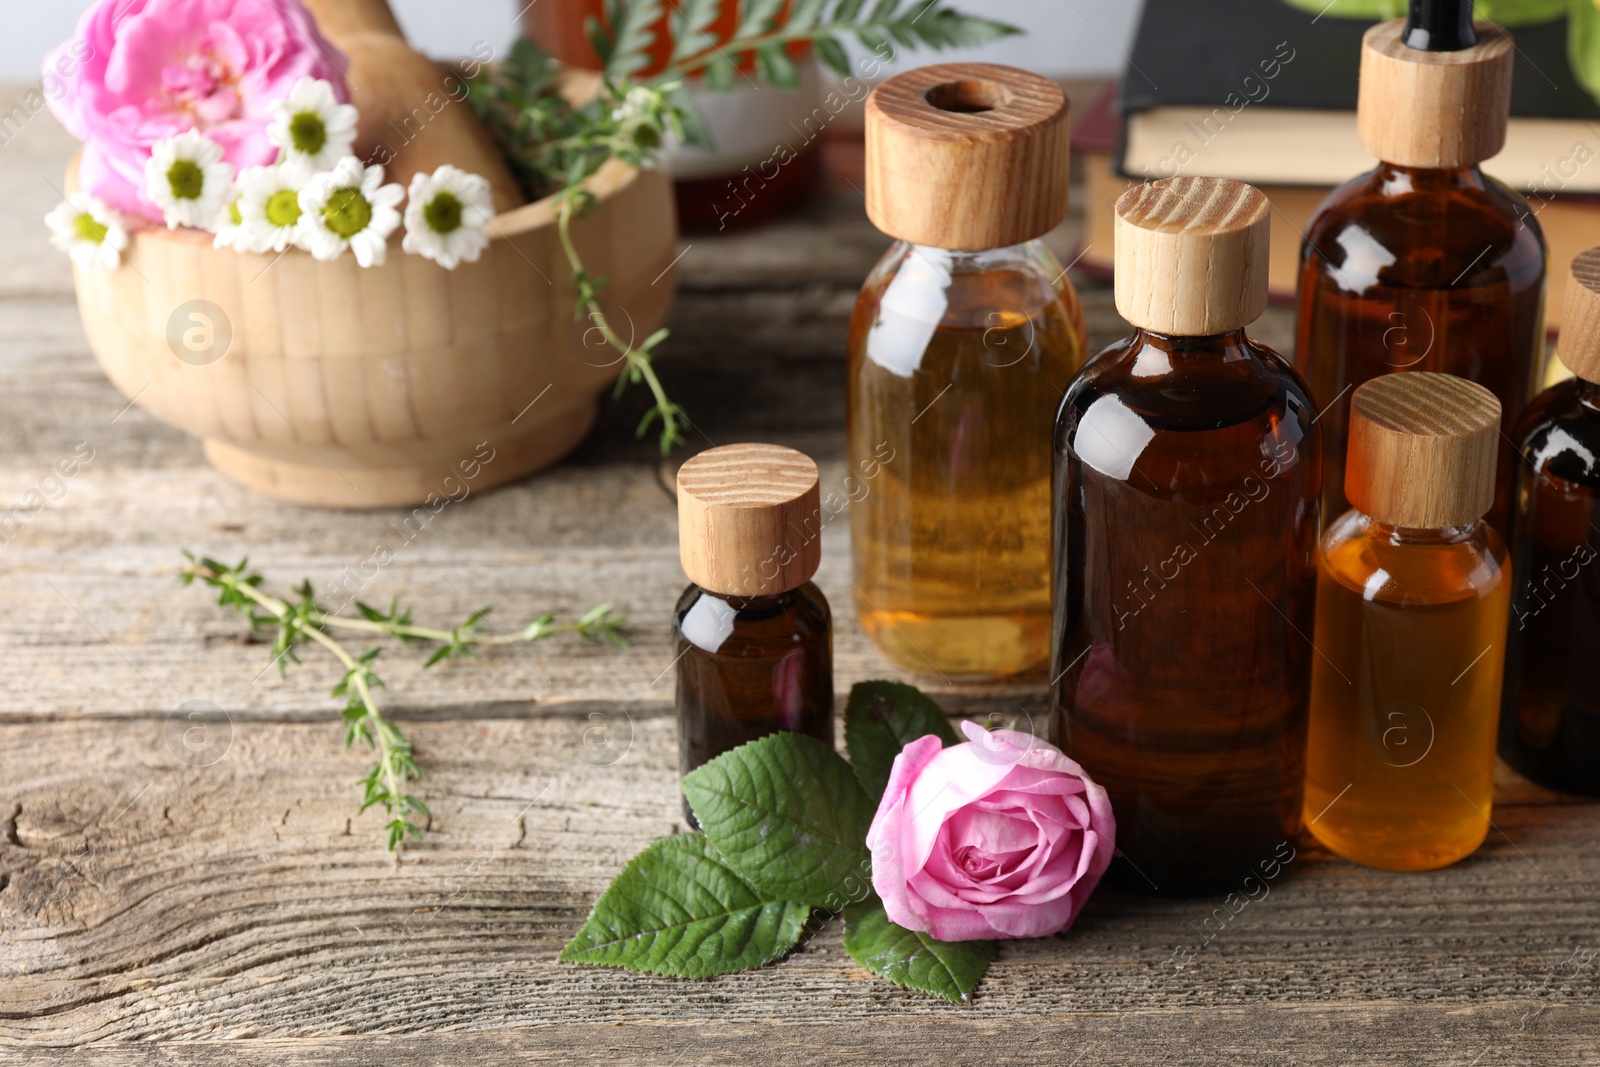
(1002, 836)
(140, 71)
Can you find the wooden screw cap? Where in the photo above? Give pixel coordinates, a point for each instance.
(1579, 346)
(1191, 255)
(1422, 449)
(967, 156)
(749, 519)
(1434, 109)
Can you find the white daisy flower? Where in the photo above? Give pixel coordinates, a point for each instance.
(311, 127)
(89, 231)
(349, 207)
(229, 227)
(445, 215)
(186, 178)
(269, 206)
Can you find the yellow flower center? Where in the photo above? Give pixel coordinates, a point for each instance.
(90, 230)
(443, 213)
(187, 180)
(283, 208)
(347, 213)
(308, 132)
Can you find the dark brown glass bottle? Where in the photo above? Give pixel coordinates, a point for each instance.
(1188, 470)
(754, 635)
(1424, 263)
(751, 666)
(1550, 714)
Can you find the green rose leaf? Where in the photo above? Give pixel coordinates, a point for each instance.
(787, 813)
(948, 969)
(880, 719)
(678, 909)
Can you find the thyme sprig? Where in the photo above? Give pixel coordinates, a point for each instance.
(554, 145)
(302, 620)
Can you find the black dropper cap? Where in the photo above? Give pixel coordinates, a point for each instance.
(1439, 26)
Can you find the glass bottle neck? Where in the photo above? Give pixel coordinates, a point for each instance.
(953, 260)
(1415, 535)
(1176, 344)
(1398, 179)
(755, 603)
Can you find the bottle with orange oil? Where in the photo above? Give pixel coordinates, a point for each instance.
(963, 338)
(1413, 594)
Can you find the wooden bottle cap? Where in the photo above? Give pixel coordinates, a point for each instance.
(749, 519)
(1191, 255)
(1423, 448)
(1579, 346)
(1434, 109)
(967, 156)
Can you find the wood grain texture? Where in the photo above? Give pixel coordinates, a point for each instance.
(1191, 255)
(201, 891)
(1423, 449)
(750, 519)
(151, 897)
(1580, 323)
(1434, 109)
(1333, 1036)
(414, 115)
(967, 156)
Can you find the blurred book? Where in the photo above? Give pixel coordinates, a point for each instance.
(1265, 93)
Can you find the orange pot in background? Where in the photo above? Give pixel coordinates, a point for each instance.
(766, 162)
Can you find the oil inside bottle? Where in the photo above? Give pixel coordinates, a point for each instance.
(957, 362)
(1415, 269)
(1405, 691)
(1187, 501)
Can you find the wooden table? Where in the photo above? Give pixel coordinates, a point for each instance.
(236, 908)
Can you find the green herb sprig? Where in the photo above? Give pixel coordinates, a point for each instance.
(554, 145)
(301, 620)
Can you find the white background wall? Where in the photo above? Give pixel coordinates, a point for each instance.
(1065, 37)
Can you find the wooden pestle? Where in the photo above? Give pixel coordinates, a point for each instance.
(414, 113)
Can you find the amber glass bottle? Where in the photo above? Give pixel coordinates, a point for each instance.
(1187, 479)
(962, 339)
(1424, 263)
(1412, 596)
(754, 635)
(1550, 715)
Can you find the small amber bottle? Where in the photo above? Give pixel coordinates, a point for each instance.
(1550, 715)
(1424, 263)
(963, 338)
(1412, 595)
(754, 635)
(1188, 472)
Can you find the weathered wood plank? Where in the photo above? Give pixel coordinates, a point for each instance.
(1332, 1036)
(149, 897)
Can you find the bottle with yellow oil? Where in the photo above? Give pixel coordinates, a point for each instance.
(963, 339)
(1413, 595)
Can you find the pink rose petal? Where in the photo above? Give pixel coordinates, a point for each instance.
(1000, 836)
(140, 71)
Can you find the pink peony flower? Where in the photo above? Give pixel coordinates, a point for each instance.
(1000, 837)
(147, 70)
